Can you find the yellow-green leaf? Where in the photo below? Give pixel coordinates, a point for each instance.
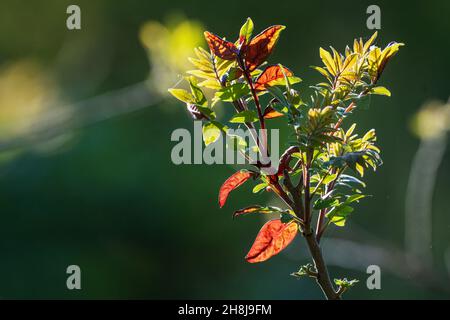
(380, 91)
(233, 92)
(259, 187)
(182, 95)
(211, 84)
(370, 41)
(201, 74)
(328, 61)
(198, 94)
(211, 133)
(244, 116)
(246, 31)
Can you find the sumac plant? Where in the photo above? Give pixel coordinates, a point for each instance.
(319, 174)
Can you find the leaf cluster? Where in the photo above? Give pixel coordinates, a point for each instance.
(319, 174)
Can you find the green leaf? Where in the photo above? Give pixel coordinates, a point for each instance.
(286, 217)
(206, 111)
(345, 178)
(211, 132)
(278, 94)
(305, 270)
(286, 81)
(182, 95)
(325, 203)
(339, 215)
(355, 197)
(351, 159)
(246, 30)
(382, 91)
(200, 98)
(233, 92)
(322, 71)
(244, 116)
(329, 178)
(232, 74)
(236, 142)
(260, 187)
(345, 283)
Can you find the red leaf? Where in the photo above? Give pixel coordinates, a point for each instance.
(270, 75)
(261, 46)
(273, 237)
(232, 183)
(220, 47)
(271, 113)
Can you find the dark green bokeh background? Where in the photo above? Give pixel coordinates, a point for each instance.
(139, 226)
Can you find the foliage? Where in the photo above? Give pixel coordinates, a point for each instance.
(317, 175)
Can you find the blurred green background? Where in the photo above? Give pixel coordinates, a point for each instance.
(106, 196)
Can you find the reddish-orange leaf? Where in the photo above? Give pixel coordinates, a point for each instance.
(232, 183)
(220, 47)
(261, 46)
(271, 113)
(273, 237)
(270, 75)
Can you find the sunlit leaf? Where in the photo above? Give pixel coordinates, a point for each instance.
(328, 61)
(201, 64)
(236, 142)
(329, 178)
(232, 183)
(261, 46)
(244, 117)
(273, 237)
(182, 95)
(370, 41)
(344, 283)
(223, 49)
(210, 84)
(270, 76)
(211, 132)
(339, 215)
(233, 92)
(325, 203)
(271, 113)
(380, 91)
(277, 93)
(260, 187)
(246, 31)
(198, 94)
(355, 197)
(322, 71)
(210, 68)
(199, 74)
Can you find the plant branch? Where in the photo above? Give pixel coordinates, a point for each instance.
(248, 78)
(320, 227)
(292, 190)
(323, 278)
(306, 187)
